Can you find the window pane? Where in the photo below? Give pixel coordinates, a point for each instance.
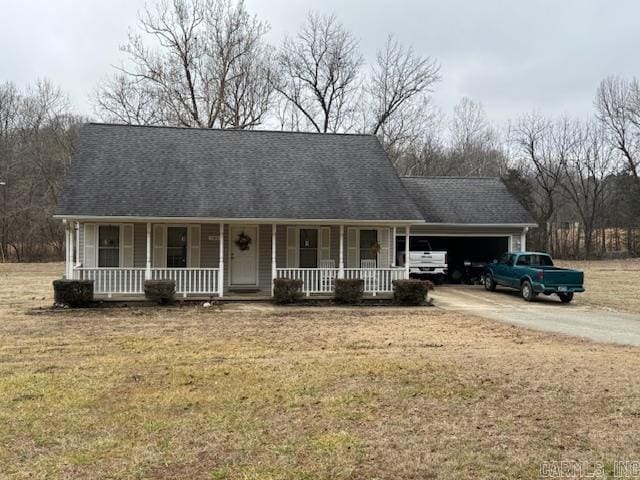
(308, 248)
(368, 239)
(108, 246)
(419, 244)
(176, 247)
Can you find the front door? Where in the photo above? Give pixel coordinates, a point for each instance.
(243, 251)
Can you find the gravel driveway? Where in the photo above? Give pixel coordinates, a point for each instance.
(545, 313)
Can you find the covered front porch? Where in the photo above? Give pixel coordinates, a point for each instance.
(231, 259)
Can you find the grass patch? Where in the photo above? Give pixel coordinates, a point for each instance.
(263, 392)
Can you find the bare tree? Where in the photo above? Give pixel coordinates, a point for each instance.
(618, 106)
(398, 77)
(196, 63)
(475, 145)
(319, 72)
(542, 147)
(9, 109)
(36, 137)
(586, 168)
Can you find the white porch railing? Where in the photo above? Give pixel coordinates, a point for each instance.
(130, 281)
(376, 280)
(108, 281)
(314, 280)
(202, 281)
(322, 280)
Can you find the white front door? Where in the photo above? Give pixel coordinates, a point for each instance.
(244, 257)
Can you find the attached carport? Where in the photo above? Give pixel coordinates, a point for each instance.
(473, 219)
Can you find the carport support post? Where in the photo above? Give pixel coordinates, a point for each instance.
(523, 240)
(221, 262)
(147, 271)
(406, 251)
(341, 259)
(273, 256)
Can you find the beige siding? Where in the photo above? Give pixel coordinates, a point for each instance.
(264, 257)
(210, 245)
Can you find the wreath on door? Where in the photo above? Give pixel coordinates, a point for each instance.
(243, 241)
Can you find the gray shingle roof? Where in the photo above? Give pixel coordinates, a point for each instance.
(120, 170)
(463, 200)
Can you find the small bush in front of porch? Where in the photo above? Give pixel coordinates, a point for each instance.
(287, 290)
(74, 293)
(412, 291)
(162, 292)
(349, 290)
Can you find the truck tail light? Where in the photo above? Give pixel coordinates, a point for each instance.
(446, 259)
(540, 275)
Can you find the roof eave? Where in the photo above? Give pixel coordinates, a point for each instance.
(138, 218)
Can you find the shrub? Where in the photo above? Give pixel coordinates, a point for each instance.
(162, 292)
(411, 292)
(74, 293)
(349, 290)
(286, 290)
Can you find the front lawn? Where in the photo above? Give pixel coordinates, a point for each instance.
(609, 283)
(254, 391)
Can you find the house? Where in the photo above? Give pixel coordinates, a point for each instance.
(224, 212)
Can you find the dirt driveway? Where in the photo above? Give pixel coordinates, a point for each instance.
(545, 313)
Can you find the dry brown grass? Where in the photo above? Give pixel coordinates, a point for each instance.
(286, 393)
(610, 283)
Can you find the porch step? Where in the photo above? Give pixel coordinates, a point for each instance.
(243, 290)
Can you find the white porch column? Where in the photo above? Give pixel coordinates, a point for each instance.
(273, 255)
(406, 252)
(72, 239)
(147, 272)
(67, 256)
(221, 263)
(393, 247)
(77, 260)
(341, 259)
(523, 240)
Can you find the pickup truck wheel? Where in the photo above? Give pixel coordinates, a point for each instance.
(526, 290)
(566, 297)
(489, 284)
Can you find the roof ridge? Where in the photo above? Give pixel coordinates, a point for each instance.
(453, 177)
(181, 127)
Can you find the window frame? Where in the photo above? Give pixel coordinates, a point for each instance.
(377, 255)
(317, 248)
(166, 246)
(97, 241)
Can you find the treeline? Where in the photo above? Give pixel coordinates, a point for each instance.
(208, 64)
(37, 132)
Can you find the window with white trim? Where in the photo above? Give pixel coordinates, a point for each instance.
(308, 248)
(177, 247)
(108, 246)
(369, 246)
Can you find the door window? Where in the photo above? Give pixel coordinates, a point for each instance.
(369, 245)
(308, 248)
(176, 247)
(108, 246)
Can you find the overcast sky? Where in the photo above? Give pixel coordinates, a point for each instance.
(514, 56)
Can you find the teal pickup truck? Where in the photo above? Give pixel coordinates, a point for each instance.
(533, 273)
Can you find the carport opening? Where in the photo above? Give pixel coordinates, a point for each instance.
(466, 255)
